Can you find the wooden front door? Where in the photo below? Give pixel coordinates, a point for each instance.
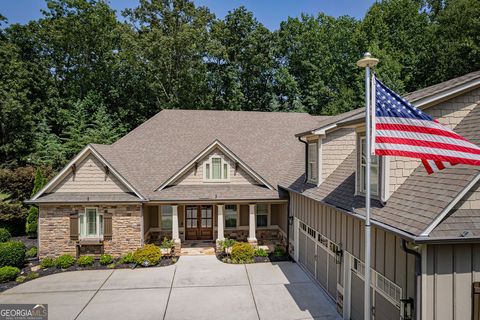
(199, 222)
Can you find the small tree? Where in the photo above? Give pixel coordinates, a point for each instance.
(32, 218)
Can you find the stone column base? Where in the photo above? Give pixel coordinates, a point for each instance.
(253, 242)
(177, 246)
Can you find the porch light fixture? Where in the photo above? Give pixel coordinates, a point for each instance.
(407, 308)
(290, 220)
(338, 254)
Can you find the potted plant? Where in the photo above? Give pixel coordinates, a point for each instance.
(166, 247)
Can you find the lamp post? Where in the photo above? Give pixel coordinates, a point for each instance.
(367, 62)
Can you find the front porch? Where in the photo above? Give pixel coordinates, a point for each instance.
(258, 223)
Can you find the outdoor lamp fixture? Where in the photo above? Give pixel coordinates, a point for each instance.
(339, 254)
(407, 308)
(290, 220)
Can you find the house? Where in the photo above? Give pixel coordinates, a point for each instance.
(289, 177)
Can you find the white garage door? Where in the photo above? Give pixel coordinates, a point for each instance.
(316, 254)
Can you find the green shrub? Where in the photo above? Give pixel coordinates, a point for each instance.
(242, 252)
(166, 244)
(32, 222)
(85, 261)
(47, 263)
(279, 251)
(32, 275)
(32, 252)
(64, 261)
(112, 265)
(227, 243)
(149, 255)
(12, 253)
(4, 235)
(106, 259)
(12, 217)
(128, 258)
(260, 252)
(8, 273)
(21, 279)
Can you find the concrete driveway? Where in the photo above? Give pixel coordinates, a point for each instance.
(196, 287)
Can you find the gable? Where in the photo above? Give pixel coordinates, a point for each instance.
(90, 176)
(195, 174)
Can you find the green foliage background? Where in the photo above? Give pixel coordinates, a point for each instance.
(81, 75)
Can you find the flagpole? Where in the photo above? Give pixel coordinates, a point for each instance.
(367, 62)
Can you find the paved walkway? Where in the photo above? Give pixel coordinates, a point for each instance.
(197, 287)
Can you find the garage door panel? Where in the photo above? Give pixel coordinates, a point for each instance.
(357, 299)
(332, 276)
(302, 249)
(384, 309)
(322, 261)
(310, 255)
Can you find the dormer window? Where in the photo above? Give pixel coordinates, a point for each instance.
(216, 169)
(312, 162)
(374, 169)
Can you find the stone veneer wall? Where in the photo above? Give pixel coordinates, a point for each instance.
(54, 225)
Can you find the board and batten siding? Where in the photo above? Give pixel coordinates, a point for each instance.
(90, 176)
(451, 271)
(387, 258)
(195, 176)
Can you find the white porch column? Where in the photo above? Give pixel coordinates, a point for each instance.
(177, 243)
(220, 225)
(252, 239)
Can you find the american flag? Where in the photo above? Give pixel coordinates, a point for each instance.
(401, 129)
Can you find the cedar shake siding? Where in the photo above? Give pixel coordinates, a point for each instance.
(56, 236)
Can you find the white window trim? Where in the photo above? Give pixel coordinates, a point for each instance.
(222, 164)
(237, 211)
(379, 193)
(268, 216)
(99, 233)
(315, 162)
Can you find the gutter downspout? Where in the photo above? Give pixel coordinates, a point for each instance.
(306, 157)
(418, 284)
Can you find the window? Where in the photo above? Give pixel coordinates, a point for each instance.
(374, 169)
(312, 170)
(216, 170)
(262, 215)
(91, 223)
(230, 216)
(166, 217)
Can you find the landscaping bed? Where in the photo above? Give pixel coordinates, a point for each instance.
(242, 252)
(19, 265)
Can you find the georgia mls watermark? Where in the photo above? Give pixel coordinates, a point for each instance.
(13, 311)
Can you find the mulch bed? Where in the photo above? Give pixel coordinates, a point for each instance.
(34, 263)
(222, 256)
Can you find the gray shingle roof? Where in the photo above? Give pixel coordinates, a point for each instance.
(157, 149)
(415, 204)
(215, 193)
(463, 223)
(82, 197)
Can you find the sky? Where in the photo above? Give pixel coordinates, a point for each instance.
(268, 12)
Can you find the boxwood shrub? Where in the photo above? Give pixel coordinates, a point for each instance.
(85, 261)
(149, 255)
(47, 263)
(242, 252)
(4, 235)
(260, 252)
(8, 273)
(64, 261)
(32, 252)
(128, 258)
(106, 259)
(12, 253)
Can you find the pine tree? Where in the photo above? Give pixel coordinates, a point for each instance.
(32, 218)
